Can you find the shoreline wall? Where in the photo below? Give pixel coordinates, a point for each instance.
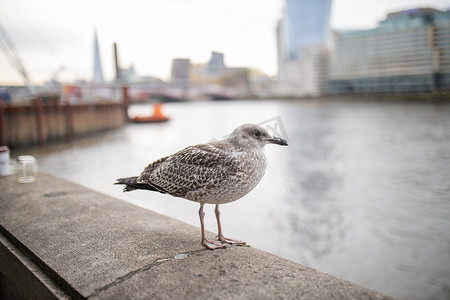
(38, 124)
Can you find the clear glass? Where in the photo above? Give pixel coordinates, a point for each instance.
(4, 160)
(26, 169)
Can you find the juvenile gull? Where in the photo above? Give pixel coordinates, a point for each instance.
(217, 173)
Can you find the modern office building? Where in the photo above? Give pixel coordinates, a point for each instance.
(305, 23)
(407, 52)
(303, 36)
(442, 43)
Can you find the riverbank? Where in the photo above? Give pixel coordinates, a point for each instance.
(61, 240)
(38, 124)
(399, 97)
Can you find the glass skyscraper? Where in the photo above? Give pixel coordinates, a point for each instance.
(303, 35)
(305, 23)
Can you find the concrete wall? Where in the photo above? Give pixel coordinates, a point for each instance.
(61, 240)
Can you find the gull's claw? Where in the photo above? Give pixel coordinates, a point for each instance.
(230, 241)
(212, 245)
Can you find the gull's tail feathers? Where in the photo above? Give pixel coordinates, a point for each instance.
(131, 184)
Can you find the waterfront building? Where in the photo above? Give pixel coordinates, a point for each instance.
(442, 43)
(303, 36)
(409, 51)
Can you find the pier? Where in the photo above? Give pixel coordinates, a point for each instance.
(40, 123)
(59, 240)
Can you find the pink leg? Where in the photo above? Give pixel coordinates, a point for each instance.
(207, 243)
(220, 235)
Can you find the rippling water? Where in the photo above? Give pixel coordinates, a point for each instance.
(362, 192)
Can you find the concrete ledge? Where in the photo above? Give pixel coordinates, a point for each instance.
(61, 240)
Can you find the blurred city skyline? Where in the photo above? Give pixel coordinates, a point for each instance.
(56, 39)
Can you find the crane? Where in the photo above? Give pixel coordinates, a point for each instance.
(14, 57)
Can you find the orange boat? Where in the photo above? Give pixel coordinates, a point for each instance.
(155, 118)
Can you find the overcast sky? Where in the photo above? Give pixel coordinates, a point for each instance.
(49, 34)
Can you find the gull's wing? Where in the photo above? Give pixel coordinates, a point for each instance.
(189, 170)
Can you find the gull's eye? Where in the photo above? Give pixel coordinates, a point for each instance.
(257, 133)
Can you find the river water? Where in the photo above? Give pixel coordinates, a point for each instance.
(362, 192)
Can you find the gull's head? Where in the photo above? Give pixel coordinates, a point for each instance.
(252, 136)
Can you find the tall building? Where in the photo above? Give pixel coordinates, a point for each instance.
(216, 63)
(303, 36)
(98, 71)
(442, 43)
(409, 51)
(305, 23)
(180, 71)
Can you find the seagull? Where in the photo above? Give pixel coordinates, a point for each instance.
(217, 172)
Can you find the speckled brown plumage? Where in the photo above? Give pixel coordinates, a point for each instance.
(217, 172)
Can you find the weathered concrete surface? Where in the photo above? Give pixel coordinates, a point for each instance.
(24, 280)
(94, 246)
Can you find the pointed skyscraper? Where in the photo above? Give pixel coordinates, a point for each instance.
(98, 72)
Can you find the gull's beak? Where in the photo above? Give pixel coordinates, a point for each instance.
(277, 140)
